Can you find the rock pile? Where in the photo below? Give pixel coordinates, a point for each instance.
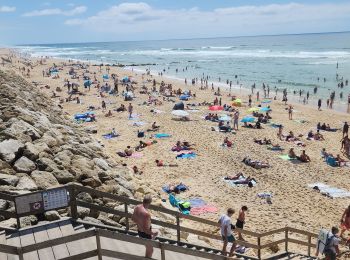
(40, 148)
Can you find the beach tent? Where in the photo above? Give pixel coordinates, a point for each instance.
(248, 119)
(216, 108)
(179, 106)
(126, 79)
(87, 83)
(180, 113)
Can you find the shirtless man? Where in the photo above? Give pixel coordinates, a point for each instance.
(241, 220)
(142, 218)
(130, 110)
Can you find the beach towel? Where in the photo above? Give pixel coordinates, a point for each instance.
(162, 135)
(286, 157)
(275, 125)
(138, 123)
(301, 121)
(203, 209)
(273, 148)
(329, 191)
(109, 136)
(180, 204)
(136, 155)
(197, 202)
(264, 195)
(331, 161)
(186, 155)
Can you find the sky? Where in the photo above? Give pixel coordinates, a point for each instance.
(69, 21)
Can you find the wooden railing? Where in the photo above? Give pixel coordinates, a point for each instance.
(254, 239)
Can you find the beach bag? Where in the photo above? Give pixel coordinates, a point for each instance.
(140, 134)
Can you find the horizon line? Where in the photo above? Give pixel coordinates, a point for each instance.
(184, 39)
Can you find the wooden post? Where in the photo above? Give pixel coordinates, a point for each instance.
(73, 203)
(259, 249)
(309, 245)
(286, 238)
(20, 253)
(18, 222)
(126, 217)
(98, 244)
(162, 252)
(178, 231)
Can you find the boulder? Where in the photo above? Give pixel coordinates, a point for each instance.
(49, 140)
(11, 222)
(44, 180)
(46, 164)
(6, 168)
(52, 215)
(32, 150)
(84, 196)
(102, 164)
(9, 150)
(63, 158)
(23, 164)
(83, 212)
(3, 204)
(21, 130)
(28, 221)
(103, 217)
(26, 183)
(93, 182)
(8, 179)
(63, 176)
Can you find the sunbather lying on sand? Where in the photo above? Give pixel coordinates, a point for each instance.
(160, 163)
(255, 164)
(235, 177)
(262, 141)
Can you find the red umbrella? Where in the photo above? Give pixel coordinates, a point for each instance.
(215, 108)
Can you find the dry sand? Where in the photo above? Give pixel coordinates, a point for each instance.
(294, 204)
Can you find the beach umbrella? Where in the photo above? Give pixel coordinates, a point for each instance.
(216, 108)
(265, 109)
(237, 102)
(248, 119)
(180, 113)
(253, 109)
(266, 101)
(105, 76)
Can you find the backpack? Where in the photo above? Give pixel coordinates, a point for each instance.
(327, 246)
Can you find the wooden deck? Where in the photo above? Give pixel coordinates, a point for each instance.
(115, 248)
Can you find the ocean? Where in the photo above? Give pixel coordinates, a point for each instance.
(295, 62)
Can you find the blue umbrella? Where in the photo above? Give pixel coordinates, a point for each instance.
(247, 119)
(225, 118)
(184, 97)
(265, 109)
(105, 76)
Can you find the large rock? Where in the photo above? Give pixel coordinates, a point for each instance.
(83, 212)
(63, 176)
(26, 183)
(52, 215)
(84, 196)
(8, 179)
(32, 150)
(9, 149)
(3, 204)
(21, 130)
(6, 168)
(93, 220)
(23, 164)
(44, 180)
(101, 164)
(64, 158)
(46, 164)
(93, 182)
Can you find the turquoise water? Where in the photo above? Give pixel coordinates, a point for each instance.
(288, 61)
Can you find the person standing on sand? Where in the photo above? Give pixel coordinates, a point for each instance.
(241, 220)
(279, 134)
(290, 112)
(226, 231)
(130, 110)
(346, 129)
(142, 218)
(331, 249)
(319, 103)
(235, 120)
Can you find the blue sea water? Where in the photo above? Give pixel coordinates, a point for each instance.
(286, 61)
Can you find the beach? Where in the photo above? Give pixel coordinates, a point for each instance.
(294, 204)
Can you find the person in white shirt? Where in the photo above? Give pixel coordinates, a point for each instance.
(226, 231)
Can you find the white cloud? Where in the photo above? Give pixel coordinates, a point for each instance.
(7, 9)
(57, 11)
(144, 20)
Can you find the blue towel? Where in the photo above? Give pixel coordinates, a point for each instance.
(186, 156)
(160, 135)
(197, 202)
